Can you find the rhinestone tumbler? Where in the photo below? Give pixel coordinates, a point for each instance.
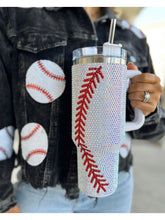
(99, 85)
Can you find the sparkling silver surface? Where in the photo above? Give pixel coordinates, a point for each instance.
(102, 121)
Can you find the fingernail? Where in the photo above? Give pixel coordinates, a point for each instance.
(129, 63)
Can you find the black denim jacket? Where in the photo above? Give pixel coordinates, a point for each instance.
(31, 34)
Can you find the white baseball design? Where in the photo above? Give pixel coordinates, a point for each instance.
(6, 142)
(126, 146)
(34, 143)
(45, 81)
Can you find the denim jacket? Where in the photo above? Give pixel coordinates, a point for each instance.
(28, 35)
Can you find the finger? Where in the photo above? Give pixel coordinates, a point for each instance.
(131, 66)
(139, 96)
(157, 88)
(146, 108)
(146, 78)
(141, 87)
(14, 209)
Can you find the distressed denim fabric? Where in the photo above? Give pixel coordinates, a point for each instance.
(31, 34)
(52, 199)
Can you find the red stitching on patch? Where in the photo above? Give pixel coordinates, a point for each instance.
(90, 84)
(38, 88)
(49, 74)
(125, 146)
(130, 26)
(31, 133)
(37, 151)
(10, 135)
(5, 153)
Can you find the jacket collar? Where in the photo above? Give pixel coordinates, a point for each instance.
(53, 8)
(106, 12)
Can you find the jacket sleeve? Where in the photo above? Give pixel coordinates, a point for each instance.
(154, 126)
(7, 156)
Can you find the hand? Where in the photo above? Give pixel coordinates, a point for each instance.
(15, 209)
(138, 85)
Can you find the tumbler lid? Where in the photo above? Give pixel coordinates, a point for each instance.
(112, 50)
(100, 51)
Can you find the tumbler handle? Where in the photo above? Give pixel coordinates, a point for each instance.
(139, 118)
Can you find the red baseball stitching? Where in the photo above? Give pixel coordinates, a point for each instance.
(32, 86)
(49, 74)
(37, 151)
(90, 83)
(31, 133)
(5, 153)
(125, 146)
(94, 172)
(10, 135)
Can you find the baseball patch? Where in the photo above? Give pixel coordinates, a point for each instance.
(45, 81)
(34, 143)
(126, 146)
(6, 142)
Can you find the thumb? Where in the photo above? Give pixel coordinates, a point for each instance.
(131, 66)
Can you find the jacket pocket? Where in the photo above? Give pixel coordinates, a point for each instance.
(36, 42)
(35, 46)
